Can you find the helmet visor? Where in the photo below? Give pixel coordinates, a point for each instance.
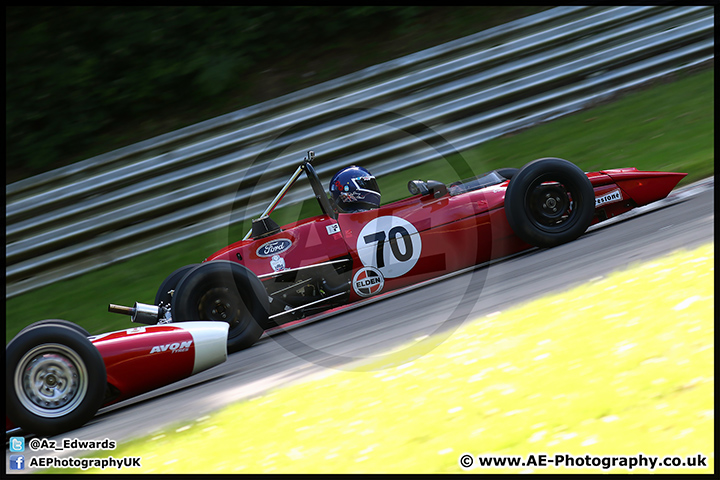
(367, 183)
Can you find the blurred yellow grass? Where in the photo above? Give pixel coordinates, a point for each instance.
(620, 366)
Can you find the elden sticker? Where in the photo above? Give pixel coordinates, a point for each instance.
(368, 281)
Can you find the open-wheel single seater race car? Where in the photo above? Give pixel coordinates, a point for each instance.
(58, 376)
(357, 248)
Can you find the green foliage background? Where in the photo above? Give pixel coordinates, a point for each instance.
(75, 70)
(81, 81)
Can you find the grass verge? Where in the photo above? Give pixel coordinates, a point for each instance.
(619, 366)
(668, 127)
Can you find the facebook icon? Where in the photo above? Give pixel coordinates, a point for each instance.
(17, 462)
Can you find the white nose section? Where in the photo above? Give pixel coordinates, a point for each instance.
(210, 339)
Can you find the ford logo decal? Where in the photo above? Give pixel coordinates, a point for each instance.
(273, 248)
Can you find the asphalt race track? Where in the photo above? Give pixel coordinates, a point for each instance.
(684, 221)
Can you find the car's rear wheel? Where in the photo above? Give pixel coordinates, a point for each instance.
(224, 291)
(508, 172)
(170, 283)
(548, 202)
(56, 379)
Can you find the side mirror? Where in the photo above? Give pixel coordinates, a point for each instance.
(431, 187)
(418, 187)
(438, 189)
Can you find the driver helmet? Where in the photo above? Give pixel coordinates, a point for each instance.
(354, 189)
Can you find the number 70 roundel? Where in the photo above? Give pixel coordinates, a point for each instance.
(390, 244)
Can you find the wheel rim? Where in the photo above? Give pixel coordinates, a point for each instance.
(550, 206)
(219, 305)
(51, 380)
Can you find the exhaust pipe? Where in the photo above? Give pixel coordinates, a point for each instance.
(143, 313)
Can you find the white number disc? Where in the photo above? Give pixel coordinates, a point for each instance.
(390, 244)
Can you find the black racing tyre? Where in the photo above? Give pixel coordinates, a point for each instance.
(170, 283)
(550, 201)
(56, 379)
(224, 291)
(57, 321)
(508, 172)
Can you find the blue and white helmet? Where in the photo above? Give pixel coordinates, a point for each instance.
(354, 189)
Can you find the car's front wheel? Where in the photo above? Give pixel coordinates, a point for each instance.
(224, 291)
(167, 287)
(56, 379)
(57, 321)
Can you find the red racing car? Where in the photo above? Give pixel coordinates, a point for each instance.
(58, 376)
(357, 248)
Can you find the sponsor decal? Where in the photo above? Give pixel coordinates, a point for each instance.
(277, 263)
(176, 347)
(332, 229)
(274, 247)
(368, 281)
(613, 196)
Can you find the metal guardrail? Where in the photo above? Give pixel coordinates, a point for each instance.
(170, 188)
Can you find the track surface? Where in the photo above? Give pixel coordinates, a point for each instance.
(369, 331)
